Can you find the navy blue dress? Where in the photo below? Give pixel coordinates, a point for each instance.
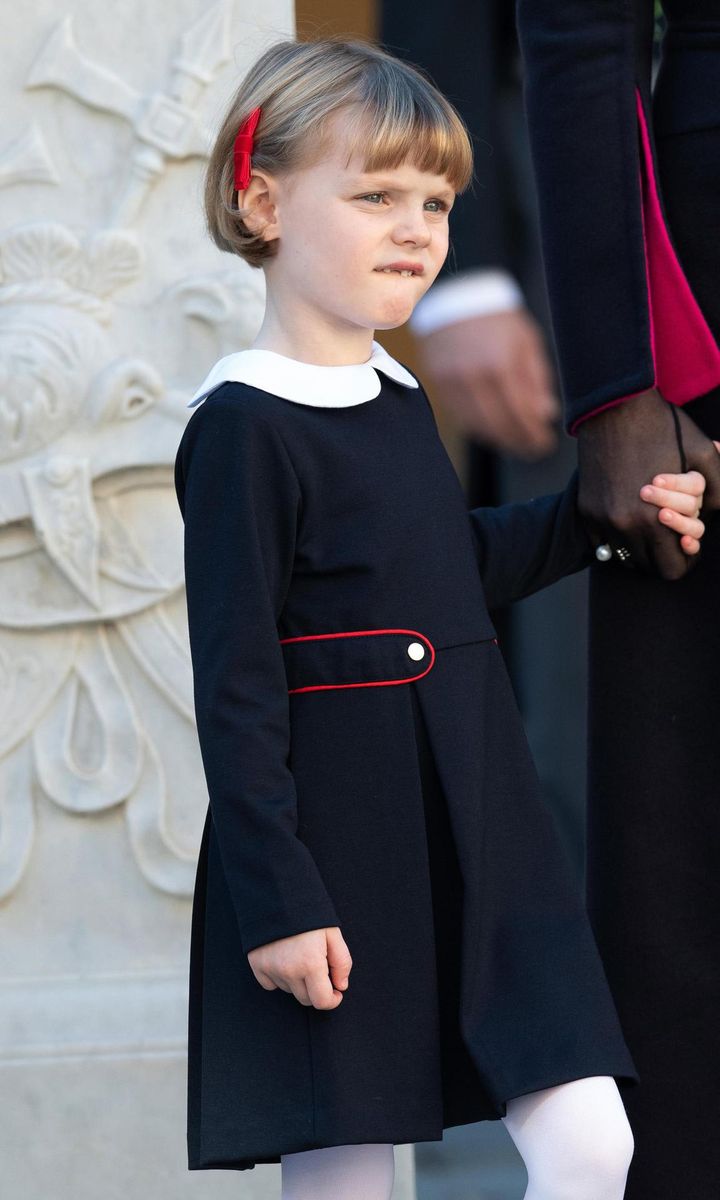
(367, 768)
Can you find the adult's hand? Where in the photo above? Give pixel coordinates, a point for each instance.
(622, 449)
(493, 376)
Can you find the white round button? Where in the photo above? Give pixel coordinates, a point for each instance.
(416, 650)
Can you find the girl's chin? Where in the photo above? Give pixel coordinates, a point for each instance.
(394, 312)
(384, 324)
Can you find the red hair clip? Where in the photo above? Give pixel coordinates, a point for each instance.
(243, 149)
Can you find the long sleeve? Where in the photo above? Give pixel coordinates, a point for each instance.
(625, 317)
(240, 501)
(524, 547)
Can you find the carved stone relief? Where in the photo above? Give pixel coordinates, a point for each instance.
(113, 305)
(90, 534)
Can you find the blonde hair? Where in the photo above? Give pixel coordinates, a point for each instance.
(396, 114)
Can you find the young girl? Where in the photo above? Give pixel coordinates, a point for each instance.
(386, 939)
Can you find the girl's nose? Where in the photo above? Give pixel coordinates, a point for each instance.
(412, 227)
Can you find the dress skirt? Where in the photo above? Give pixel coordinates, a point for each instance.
(464, 1098)
(481, 980)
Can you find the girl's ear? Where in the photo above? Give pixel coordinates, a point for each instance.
(260, 198)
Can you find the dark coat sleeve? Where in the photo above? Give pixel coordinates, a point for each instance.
(624, 314)
(524, 547)
(240, 501)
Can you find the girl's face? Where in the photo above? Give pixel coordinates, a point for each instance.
(338, 228)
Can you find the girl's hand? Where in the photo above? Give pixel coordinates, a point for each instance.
(679, 500)
(315, 966)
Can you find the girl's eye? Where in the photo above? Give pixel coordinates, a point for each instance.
(443, 206)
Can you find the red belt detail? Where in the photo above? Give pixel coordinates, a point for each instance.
(357, 658)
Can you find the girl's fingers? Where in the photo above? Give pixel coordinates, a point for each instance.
(301, 992)
(689, 544)
(691, 482)
(684, 502)
(265, 981)
(684, 525)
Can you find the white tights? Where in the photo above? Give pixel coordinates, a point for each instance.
(574, 1139)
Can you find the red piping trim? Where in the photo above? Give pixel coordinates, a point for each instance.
(320, 687)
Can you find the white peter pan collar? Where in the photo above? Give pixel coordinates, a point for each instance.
(305, 383)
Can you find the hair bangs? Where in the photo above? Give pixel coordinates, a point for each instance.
(400, 122)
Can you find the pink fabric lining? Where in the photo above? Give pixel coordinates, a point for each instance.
(686, 357)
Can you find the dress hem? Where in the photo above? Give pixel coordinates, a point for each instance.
(622, 1078)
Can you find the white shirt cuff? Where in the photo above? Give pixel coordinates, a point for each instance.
(472, 294)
